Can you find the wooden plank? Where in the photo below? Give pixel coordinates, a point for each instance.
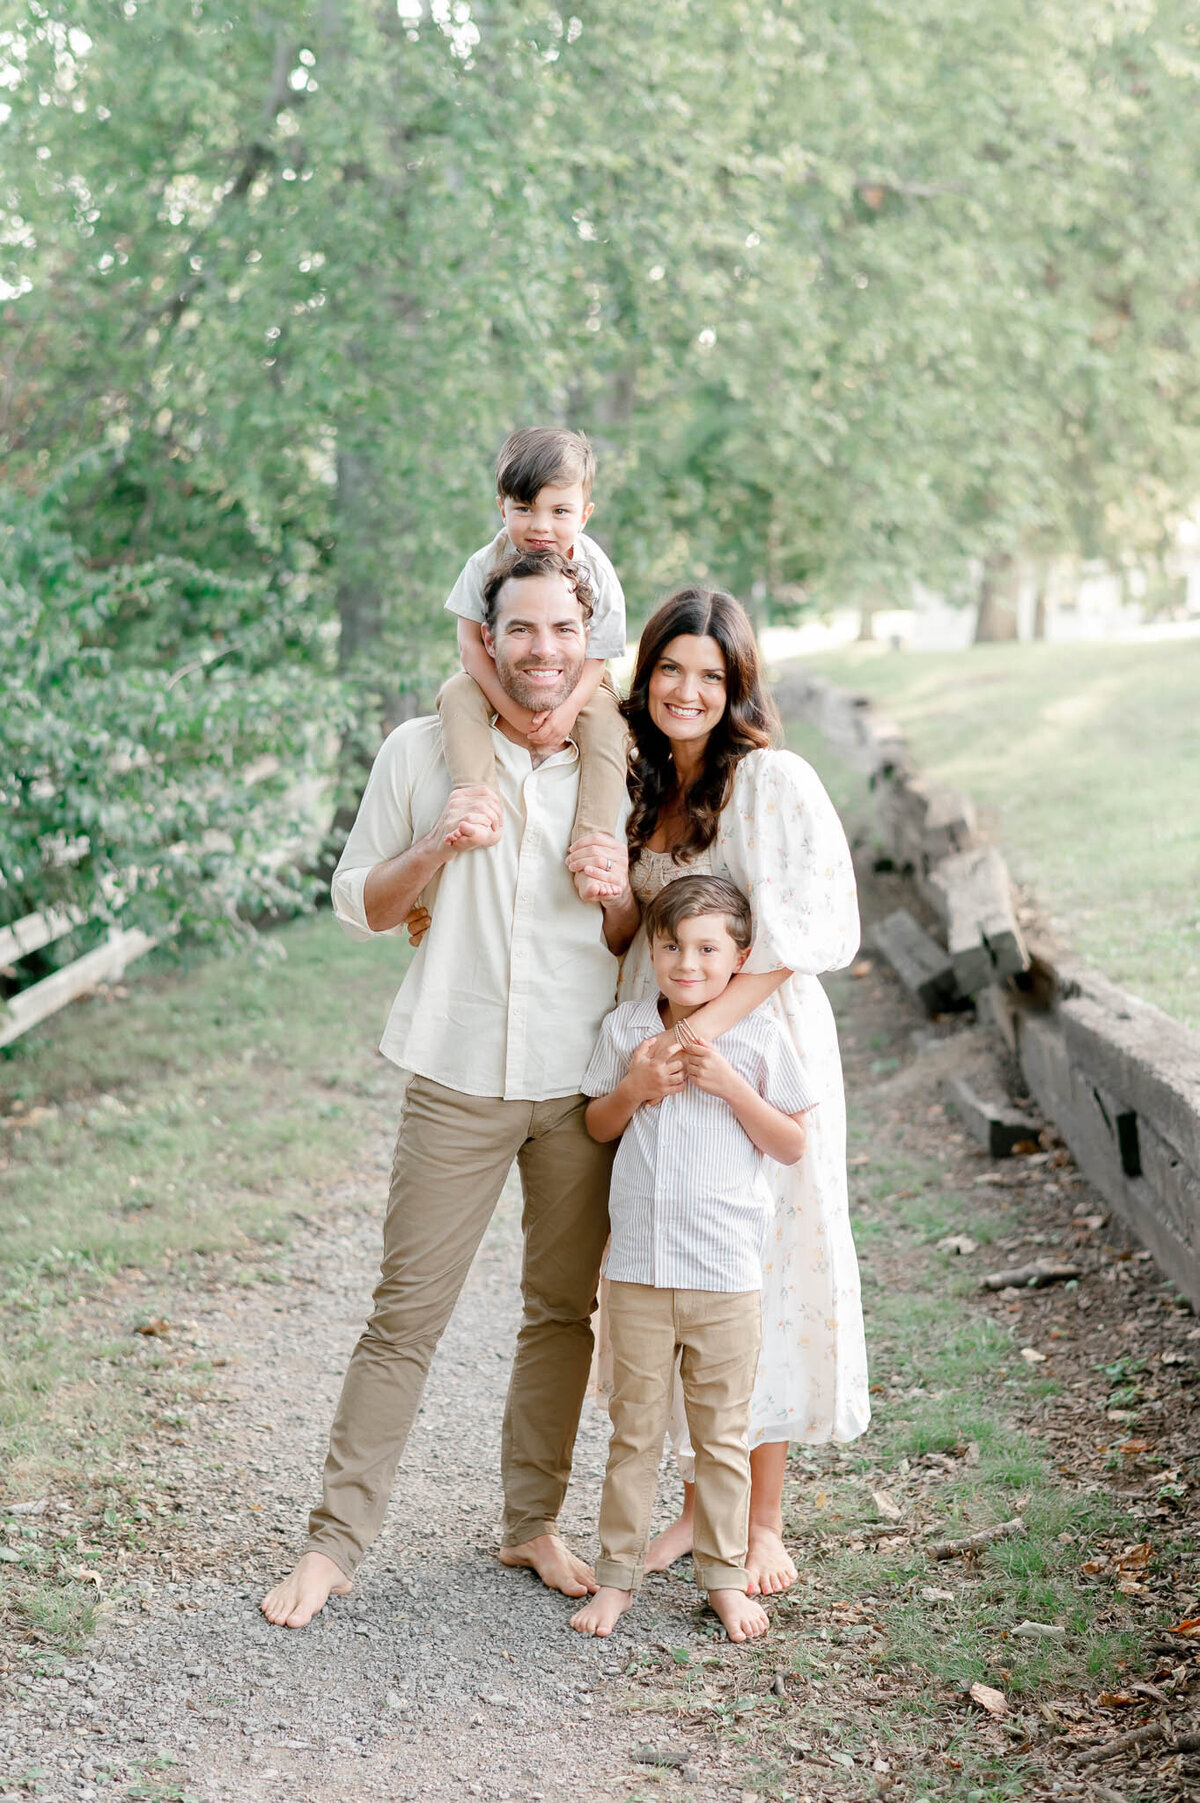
(922, 965)
(41, 1000)
(998, 1127)
(37, 930)
(971, 892)
(1147, 1061)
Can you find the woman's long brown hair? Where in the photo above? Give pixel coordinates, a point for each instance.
(748, 723)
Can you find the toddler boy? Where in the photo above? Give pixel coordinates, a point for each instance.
(689, 1213)
(543, 490)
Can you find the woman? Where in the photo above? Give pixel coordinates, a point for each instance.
(708, 794)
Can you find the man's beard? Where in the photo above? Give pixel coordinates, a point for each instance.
(536, 696)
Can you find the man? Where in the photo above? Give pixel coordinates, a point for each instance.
(496, 1020)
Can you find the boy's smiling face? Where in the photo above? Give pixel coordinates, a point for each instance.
(552, 521)
(693, 965)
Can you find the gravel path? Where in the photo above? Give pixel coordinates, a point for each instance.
(443, 1676)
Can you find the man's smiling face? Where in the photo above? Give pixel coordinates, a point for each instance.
(538, 641)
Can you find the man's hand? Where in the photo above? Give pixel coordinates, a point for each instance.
(600, 866)
(551, 729)
(650, 1079)
(471, 819)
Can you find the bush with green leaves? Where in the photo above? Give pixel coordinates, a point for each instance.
(164, 731)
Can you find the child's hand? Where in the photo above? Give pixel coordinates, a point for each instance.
(704, 1066)
(650, 1079)
(550, 729)
(418, 923)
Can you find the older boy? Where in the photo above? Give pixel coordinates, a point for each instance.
(689, 1216)
(544, 479)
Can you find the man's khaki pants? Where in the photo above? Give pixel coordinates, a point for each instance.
(716, 1339)
(453, 1153)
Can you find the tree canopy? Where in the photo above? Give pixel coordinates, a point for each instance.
(845, 295)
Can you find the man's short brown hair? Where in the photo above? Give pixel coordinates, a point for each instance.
(520, 564)
(537, 457)
(689, 896)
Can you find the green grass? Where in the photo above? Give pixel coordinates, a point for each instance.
(947, 1379)
(184, 1131)
(1084, 761)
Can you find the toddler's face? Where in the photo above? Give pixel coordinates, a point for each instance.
(696, 964)
(552, 521)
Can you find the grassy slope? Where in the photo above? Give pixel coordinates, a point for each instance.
(1084, 761)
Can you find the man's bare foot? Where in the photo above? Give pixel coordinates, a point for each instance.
(767, 1562)
(601, 1613)
(305, 1592)
(554, 1562)
(744, 1619)
(673, 1543)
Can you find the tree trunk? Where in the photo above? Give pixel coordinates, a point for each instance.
(997, 616)
(866, 620)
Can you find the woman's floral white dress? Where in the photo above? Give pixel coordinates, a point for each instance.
(781, 842)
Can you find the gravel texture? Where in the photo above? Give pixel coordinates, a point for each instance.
(443, 1676)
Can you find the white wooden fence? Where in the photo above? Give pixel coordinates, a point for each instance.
(104, 964)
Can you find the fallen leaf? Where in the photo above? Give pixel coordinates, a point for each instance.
(887, 1505)
(992, 1700)
(932, 1594)
(1190, 1627)
(9, 1555)
(155, 1327)
(1040, 1630)
(1134, 1558)
(1093, 1567)
(1032, 1356)
(957, 1242)
(1117, 1699)
(1174, 1358)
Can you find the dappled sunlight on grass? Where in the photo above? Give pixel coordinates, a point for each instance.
(1084, 761)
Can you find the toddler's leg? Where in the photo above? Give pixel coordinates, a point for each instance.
(466, 718)
(720, 1359)
(603, 740)
(643, 1342)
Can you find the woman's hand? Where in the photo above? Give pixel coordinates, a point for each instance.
(418, 924)
(600, 866)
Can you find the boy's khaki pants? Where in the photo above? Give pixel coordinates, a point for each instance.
(453, 1153)
(600, 732)
(716, 1338)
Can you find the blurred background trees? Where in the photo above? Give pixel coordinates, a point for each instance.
(847, 296)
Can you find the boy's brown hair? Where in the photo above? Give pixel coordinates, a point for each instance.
(689, 896)
(520, 564)
(541, 456)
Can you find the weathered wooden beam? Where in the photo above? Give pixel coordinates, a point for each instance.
(997, 1126)
(35, 931)
(922, 965)
(1139, 1055)
(971, 892)
(40, 1000)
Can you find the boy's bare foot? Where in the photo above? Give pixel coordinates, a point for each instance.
(767, 1562)
(305, 1592)
(673, 1543)
(602, 1612)
(744, 1619)
(554, 1562)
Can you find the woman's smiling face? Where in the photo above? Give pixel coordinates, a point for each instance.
(686, 694)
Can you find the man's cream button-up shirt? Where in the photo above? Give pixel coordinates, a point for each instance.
(506, 993)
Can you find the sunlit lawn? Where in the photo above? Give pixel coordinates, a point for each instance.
(1084, 761)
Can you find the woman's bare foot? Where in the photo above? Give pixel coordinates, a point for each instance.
(744, 1619)
(673, 1543)
(602, 1612)
(767, 1562)
(554, 1562)
(305, 1592)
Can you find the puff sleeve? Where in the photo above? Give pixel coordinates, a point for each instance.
(782, 842)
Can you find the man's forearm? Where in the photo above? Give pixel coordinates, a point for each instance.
(392, 888)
